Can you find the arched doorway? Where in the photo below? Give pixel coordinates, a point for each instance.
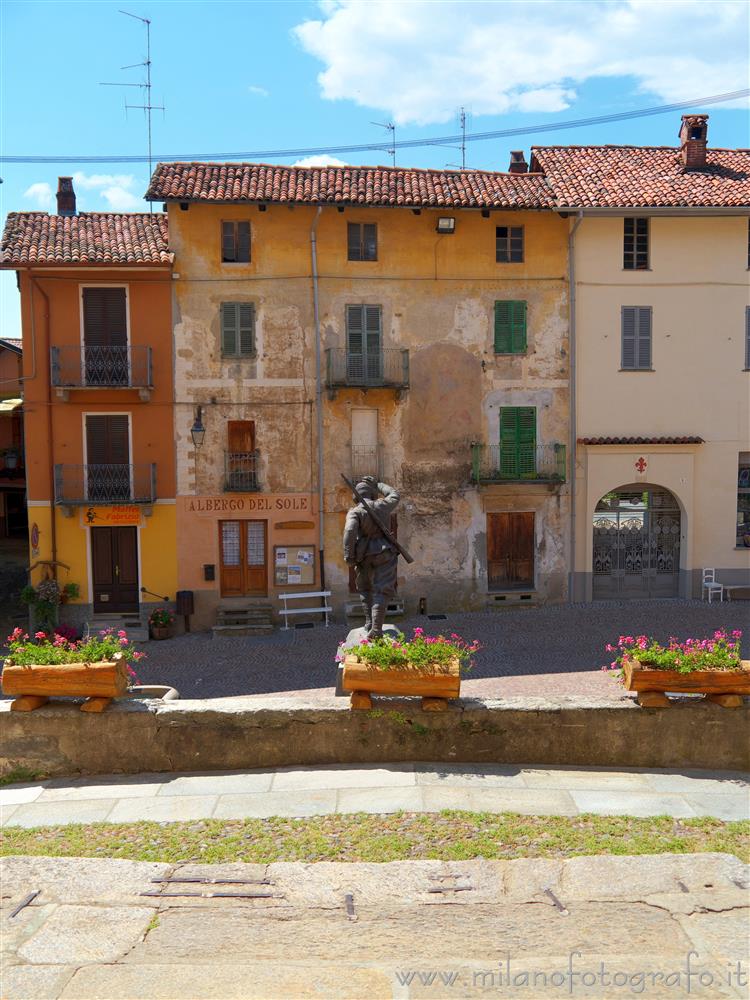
(636, 544)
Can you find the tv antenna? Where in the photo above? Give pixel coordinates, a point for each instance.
(390, 127)
(144, 85)
(462, 117)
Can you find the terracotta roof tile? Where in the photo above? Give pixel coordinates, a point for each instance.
(641, 440)
(89, 238)
(642, 177)
(386, 186)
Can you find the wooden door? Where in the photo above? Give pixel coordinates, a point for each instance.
(105, 336)
(243, 558)
(108, 458)
(114, 561)
(242, 473)
(510, 551)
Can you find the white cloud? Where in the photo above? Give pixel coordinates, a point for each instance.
(93, 181)
(41, 193)
(258, 91)
(121, 200)
(115, 189)
(417, 60)
(319, 161)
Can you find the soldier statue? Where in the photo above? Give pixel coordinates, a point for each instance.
(371, 550)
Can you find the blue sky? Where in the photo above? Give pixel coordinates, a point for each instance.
(241, 76)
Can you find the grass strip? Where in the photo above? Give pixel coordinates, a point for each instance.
(448, 835)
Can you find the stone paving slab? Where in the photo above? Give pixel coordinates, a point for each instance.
(630, 913)
(391, 788)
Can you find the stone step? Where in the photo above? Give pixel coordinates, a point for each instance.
(237, 618)
(137, 631)
(237, 631)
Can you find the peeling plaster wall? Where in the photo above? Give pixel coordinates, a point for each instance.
(437, 296)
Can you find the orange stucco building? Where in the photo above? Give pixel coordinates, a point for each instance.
(98, 395)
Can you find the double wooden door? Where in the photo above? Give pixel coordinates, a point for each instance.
(510, 551)
(243, 554)
(114, 563)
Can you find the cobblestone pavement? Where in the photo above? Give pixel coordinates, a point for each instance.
(385, 788)
(667, 925)
(554, 650)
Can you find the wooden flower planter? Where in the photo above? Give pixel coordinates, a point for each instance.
(34, 684)
(435, 685)
(724, 687)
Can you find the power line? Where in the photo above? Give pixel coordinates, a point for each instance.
(389, 147)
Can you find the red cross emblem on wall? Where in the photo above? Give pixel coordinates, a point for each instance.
(641, 465)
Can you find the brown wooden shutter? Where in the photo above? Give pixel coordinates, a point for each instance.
(107, 440)
(105, 317)
(228, 244)
(241, 436)
(243, 242)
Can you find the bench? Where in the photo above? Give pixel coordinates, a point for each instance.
(325, 609)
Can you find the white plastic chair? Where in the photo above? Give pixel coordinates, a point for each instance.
(710, 586)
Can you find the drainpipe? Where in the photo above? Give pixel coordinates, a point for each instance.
(50, 422)
(318, 392)
(572, 400)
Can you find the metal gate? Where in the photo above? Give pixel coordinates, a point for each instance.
(636, 544)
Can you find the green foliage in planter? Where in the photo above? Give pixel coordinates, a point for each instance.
(419, 653)
(25, 651)
(721, 652)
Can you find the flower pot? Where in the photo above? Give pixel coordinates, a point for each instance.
(713, 683)
(160, 631)
(435, 684)
(33, 684)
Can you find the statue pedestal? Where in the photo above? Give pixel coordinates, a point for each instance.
(354, 638)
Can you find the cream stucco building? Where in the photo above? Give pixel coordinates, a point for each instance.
(661, 424)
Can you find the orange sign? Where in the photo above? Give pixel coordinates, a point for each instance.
(98, 517)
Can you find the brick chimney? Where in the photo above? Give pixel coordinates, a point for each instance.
(66, 196)
(693, 141)
(518, 164)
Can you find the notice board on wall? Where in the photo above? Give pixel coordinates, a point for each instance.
(294, 565)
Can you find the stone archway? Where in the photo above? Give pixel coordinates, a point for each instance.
(636, 544)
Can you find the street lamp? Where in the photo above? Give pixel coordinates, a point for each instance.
(198, 431)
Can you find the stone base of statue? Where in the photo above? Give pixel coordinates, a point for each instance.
(354, 638)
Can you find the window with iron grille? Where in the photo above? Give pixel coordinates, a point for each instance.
(362, 241)
(237, 330)
(235, 242)
(635, 245)
(509, 244)
(510, 327)
(636, 338)
(743, 500)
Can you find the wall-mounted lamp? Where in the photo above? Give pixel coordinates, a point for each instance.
(446, 225)
(198, 431)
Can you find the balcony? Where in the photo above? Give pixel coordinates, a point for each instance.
(496, 464)
(366, 461)
(388, 369)
(105, 485)
(101, 368)
(241, 471)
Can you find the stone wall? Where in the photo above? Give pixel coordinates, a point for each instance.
(252, 732)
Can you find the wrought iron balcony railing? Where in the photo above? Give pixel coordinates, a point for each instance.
(388, 368)
(497, 464)
(105, 485)
(366, 461)
(101, 367)
(241, 471)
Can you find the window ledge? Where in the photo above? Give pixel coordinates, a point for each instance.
(636, 369)
(510, 354)
(635, 270)
(239, 357)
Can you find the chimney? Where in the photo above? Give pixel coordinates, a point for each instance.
(518, 164)
(693, 141)
(66, 196)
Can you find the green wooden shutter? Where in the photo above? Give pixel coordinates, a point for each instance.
(229, 329)
(246, 324)
(517, 442)
(643, 345)
(510, 327)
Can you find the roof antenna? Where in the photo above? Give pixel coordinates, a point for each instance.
(462, 119)
(391, 127)
(145, 86)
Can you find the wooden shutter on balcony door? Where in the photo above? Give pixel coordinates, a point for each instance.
(105, 317)
(241, 436)
(107, 440)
